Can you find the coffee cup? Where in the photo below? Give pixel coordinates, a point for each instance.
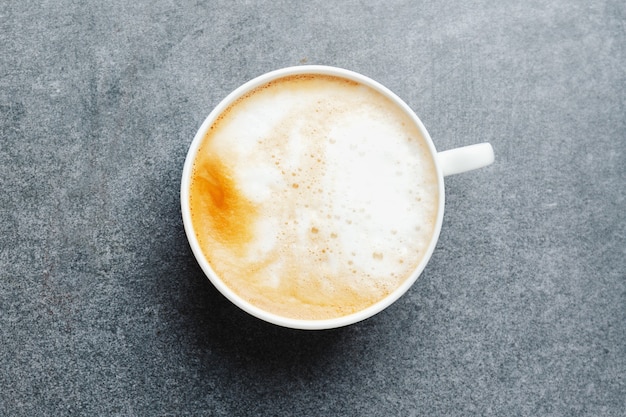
(313, 197)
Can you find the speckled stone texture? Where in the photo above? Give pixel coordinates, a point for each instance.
(104, 311)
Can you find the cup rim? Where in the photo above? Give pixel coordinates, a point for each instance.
(304, 324)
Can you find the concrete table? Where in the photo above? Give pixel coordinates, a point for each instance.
(104, 311)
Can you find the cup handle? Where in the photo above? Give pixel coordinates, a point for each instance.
(466, 158)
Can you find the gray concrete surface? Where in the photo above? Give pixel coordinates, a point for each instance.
(104, 311)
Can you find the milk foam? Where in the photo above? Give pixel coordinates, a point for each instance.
(342, 194)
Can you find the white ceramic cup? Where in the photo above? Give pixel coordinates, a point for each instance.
(448, 162)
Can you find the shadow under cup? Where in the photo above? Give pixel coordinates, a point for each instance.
(232, 214)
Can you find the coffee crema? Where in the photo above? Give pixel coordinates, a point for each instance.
(313, 196)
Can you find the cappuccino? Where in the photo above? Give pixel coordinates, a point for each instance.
(313, 196)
